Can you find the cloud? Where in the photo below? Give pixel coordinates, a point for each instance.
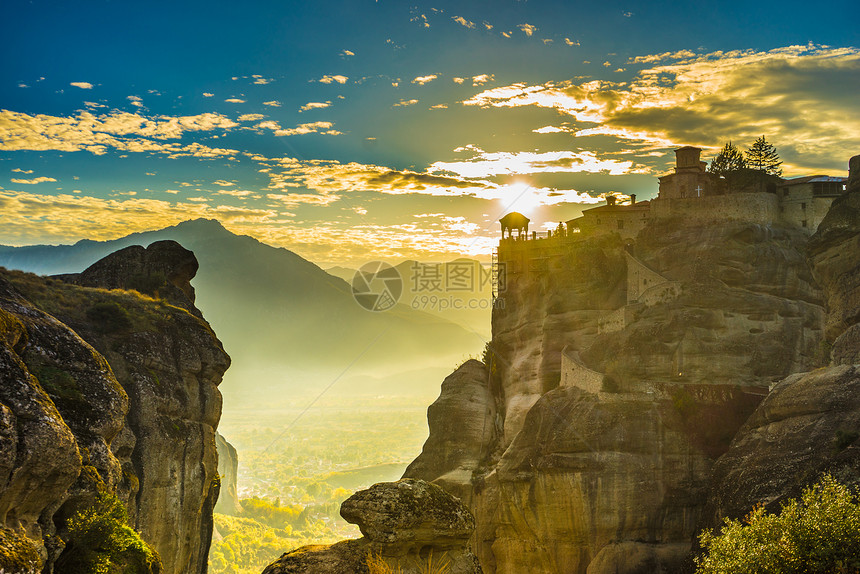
(570, 42)
(549, 130)
(348, 53)
(325, 128)
(235, 100)
(527, 29)
(136, 101)
(223, 183)
(458, 80)
(482, 79)
(82, 85)
(97, 133)
(33, 181)
(403, 103)
(260, 80)
(421, 80)
(19, 170)
(421, 19)
(506, 34)
(547, 41)
(463, 22)
(336, 78)
(650, 59)
(490, 164)
(487, 25)
(273, 103)
(797, 95)
(251, 117)
(207, 95)
(71, 217)
(314, 106)
(439, 107)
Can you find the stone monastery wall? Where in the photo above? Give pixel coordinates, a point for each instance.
(760, 208)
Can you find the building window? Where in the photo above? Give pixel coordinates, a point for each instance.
(785, 192)
(803, 223)
(598, 221)
(620, 224)
(803, 206)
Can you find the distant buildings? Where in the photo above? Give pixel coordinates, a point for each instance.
(691, 192)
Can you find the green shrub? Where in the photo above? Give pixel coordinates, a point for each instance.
(99, 541)
(109, 317)
(820, 533)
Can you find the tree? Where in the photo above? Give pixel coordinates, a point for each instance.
(762, 156)
(818, 533)
(728, 161)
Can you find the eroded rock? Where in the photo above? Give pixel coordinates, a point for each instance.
(408, 524)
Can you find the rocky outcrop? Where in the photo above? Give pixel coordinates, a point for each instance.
(808, 424)
(463, 431)
(228, 470)
(612, 476)
(110, 391)
(164, 269)
(405, 524)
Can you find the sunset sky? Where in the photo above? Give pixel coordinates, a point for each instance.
(353, 130)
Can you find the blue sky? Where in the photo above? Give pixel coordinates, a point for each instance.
(352, 130)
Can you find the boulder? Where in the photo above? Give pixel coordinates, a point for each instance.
(408, 524)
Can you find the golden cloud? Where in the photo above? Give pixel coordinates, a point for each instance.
(797, 95)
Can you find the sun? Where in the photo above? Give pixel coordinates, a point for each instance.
(523, 197)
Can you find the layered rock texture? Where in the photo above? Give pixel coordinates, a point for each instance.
(228, 470)
(409, 524)
(810, 422)
(587, 442)
(110, 391)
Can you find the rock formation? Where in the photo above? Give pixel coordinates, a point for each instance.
(405, 523)
(111, 390)
(463, 420)
(809, 422)
(610, 471)
(228, 469)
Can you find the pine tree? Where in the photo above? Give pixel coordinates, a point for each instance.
(762, 156)
(727, 161)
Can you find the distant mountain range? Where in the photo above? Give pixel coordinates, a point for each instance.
(290, 327)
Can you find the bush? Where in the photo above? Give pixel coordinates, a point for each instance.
(820, 533)
(110, 317)
(99, 541)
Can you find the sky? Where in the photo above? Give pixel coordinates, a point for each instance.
(349, 131)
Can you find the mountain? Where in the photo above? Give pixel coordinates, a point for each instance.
(291, 328)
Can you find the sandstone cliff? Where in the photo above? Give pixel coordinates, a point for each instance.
(590, 446)
(111, 390)
(228, 470)
(406, 525)
(809, 423)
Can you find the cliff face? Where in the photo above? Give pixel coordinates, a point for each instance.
(228, 470)
(809, 423)
(609, 471)
(127, 387)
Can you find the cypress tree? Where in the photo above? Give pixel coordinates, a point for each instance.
(762, 156)
(728, 160)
